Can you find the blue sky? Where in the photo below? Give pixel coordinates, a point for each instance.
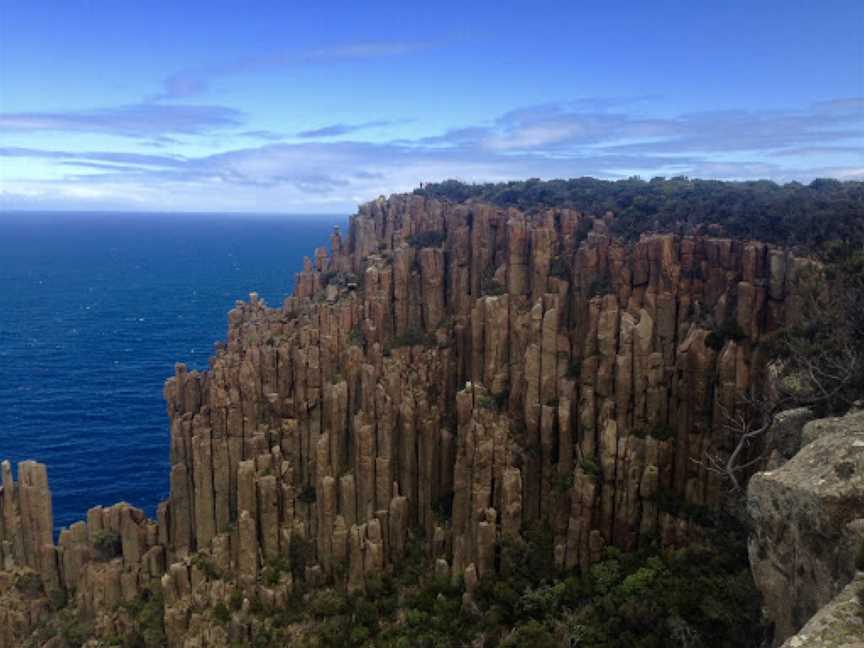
(313, 107)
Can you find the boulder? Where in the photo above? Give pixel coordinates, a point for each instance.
(808, 521)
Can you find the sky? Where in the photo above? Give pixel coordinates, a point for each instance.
(314, 107)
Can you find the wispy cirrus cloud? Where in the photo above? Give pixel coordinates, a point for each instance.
(335, 130)
(134, 120)
(197, 80)
(556, 140)
(559, 128)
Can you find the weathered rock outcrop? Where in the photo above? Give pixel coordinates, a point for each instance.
(808, 522)
(840, 624)
(449, 372)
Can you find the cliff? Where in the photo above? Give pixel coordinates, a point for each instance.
(450, 375)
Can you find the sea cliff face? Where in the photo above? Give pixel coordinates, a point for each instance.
(452, 374)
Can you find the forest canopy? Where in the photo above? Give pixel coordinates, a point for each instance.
(817, 215)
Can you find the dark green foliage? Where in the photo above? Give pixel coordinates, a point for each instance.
(487, 402)
(589, 466)
(327, 603)
(558, 268)
(274, 568)
(792, 214)
(600, 287)
(443, 506)
(728, 330)
(221, 613)
(58, 598)
(203, 563)
(412, 337)
(75, 632)
(307, 495)
(427, 239)
(147, 612)
(29, 584)
(107, 544)
(300, 554)
(235, 600)
(647, 599)
(562, 483)
(356, 337)
(663, 432)
(492, 288)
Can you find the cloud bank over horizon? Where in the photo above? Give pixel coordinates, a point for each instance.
(309, 128)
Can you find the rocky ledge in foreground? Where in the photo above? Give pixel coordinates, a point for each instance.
(808, 533)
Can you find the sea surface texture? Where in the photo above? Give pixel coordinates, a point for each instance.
(95, 309)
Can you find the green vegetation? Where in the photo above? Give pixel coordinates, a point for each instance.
(307, 495)
(648, 599)
(356, 337)
(29, 584)
(427, 239)
(589, 466)
(600, 287)
(728, 330)
(108, 544)
(822, 357)
(412, 337)
(203, 563)
(221, 613)
(274, 568)
(147, 612)
(794, 214)
(558, 268)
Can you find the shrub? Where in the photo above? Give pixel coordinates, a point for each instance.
(492, 288)
(203, 563)
(728, 330)
(427, 239)
(558, 268)
(356, 337)
(562, 483)
(147, 611)
(108, 544)
(29, 584)
(599, 287)
(235, 600)
(300, 554)
(327, 603)
(221, 613)
(75, 632)
(533, 634)
(307, 495)
(443, 506)
(58, 598)
(410, 338)
(487, 402)
(663, 432)
(589, 466)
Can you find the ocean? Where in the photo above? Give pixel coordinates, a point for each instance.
(95, 309)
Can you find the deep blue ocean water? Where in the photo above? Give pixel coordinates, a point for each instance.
(95, 309)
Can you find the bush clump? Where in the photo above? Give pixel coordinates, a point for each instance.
(29, 584)
(427, 239)
(108, 544)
